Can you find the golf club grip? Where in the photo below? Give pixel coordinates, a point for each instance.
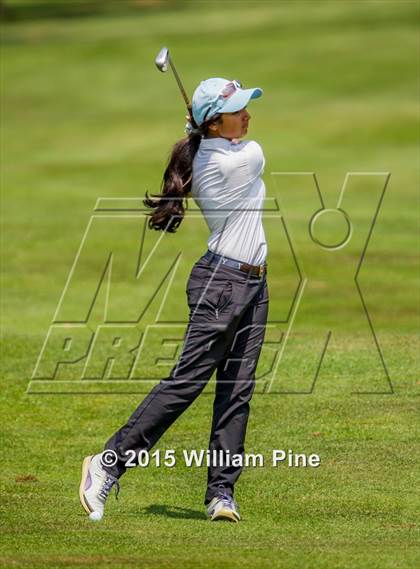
(192, 121)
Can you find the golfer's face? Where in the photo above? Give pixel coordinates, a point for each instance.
(234, 125)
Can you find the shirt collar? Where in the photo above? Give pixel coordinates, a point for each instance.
(217, 142)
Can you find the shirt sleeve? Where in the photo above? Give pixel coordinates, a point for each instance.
(256, 159)
(242, 164)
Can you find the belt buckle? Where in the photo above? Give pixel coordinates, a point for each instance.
(260, 270)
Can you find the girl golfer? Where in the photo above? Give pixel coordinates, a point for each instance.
(227, 296)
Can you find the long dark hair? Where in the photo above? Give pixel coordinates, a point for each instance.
(176, 184)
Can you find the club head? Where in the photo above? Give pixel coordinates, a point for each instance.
(162, 59)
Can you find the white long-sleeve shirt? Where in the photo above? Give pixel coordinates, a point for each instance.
(228, 188)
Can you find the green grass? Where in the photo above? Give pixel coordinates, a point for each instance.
(86, 115)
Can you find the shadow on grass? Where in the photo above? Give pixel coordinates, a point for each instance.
(174, 512)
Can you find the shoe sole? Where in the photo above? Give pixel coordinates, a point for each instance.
(225, 515)
(85, 470)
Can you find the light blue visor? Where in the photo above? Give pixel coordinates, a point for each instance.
(218, 95)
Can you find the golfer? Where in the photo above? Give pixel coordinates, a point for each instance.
(227, 296)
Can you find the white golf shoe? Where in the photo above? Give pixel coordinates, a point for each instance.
(95, 486)
(223, 507)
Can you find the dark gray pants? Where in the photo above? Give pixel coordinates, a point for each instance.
(228, 314)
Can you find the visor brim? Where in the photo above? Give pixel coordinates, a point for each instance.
(240, 99)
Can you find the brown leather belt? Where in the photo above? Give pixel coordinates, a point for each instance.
(254, 270)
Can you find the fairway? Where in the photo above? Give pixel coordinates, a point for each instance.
(87, 125)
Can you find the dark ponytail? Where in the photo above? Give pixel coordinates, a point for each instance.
(176, 184)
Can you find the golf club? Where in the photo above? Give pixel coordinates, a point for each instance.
(162, 61)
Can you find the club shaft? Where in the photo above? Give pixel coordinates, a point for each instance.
(180, 85)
